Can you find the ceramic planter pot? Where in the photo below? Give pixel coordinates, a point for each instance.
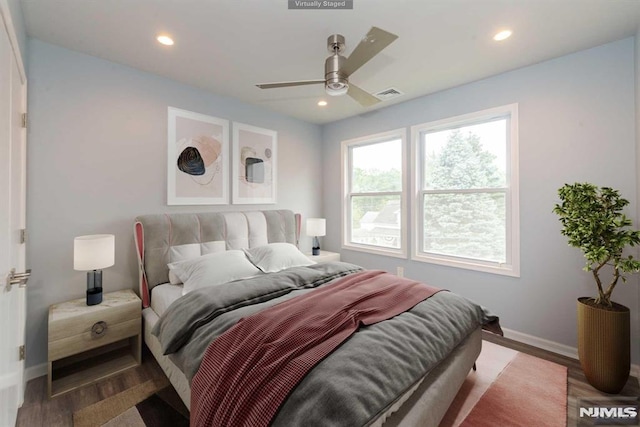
(604, 345)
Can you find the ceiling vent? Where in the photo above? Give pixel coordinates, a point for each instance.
(385, 95)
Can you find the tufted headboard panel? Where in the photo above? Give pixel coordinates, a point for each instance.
(156, 234)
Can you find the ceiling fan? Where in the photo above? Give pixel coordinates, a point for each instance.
(338, 69)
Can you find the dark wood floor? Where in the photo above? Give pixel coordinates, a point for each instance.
(38, 410)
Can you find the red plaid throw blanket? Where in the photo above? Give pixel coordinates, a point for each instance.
(248, 371)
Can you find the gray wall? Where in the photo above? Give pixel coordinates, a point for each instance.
(15, 9)
(97, 158)
(576, 123)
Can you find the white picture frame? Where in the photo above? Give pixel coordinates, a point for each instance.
(254, 165)
(197, 159)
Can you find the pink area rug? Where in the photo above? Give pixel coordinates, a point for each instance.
(510, 389)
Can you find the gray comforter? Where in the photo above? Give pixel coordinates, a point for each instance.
(355, 383)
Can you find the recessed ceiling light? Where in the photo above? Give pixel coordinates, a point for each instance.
(502, 35)
(322, 103)
(165, 40)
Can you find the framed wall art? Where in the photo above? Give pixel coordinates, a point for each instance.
(198, 159)
(254, 160)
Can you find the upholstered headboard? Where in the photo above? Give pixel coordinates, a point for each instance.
(156, 234)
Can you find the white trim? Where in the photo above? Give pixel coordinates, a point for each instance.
(346, 217)
(375, 250)
(553, 346)
(542, 343)
(36, 371)
(512, 201)
(469, 264)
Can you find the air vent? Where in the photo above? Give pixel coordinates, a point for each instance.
(387, 94)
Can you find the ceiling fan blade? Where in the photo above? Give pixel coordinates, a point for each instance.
(364, 98)
(289, 84)
(375, 40)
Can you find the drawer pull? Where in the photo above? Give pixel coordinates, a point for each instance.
(99, 329)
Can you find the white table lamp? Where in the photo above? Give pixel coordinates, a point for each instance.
(92, 253)
(316, 227)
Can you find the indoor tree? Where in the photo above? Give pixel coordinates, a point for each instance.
(593, 220)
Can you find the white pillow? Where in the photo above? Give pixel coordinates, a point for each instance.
(277, 256)
(213, 269)
(190, 251)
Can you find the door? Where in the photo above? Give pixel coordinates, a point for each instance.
(12, 221)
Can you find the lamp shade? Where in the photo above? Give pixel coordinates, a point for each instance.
(94, 252)
(316, 227)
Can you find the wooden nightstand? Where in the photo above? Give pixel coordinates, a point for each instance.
(325, 256)
(89, 343)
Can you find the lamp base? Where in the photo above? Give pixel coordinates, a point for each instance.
(315, 251)
(94, 296)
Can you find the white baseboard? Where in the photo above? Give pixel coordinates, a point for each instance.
(542, 343)
(553, 346)
(35, 371)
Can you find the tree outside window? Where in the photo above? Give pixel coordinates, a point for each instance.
(466, 206)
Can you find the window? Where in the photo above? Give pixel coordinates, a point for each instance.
(466, 198)
(374, 198)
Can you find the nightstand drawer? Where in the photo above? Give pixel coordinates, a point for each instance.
(66, 322)
(101, 335)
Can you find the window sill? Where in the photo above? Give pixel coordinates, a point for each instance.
(396, 253)
(493, 268)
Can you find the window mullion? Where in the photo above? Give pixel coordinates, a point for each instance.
(475, 228)
(467, 190)
(376, 194)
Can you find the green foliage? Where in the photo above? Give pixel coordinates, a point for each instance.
(463, 164)
(593, 220)
(365, 180)
(470, 224)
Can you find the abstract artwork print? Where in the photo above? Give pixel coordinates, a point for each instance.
(254, 164)
(198, 158)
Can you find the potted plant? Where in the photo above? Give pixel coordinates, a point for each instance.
(593, 221)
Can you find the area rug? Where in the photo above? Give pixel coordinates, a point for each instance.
(510, 389)
(150, 404)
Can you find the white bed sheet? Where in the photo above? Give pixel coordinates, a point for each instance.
(163, 296)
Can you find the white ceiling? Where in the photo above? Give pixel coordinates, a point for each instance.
(227, 46)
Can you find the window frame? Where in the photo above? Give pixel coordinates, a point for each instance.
(512, 216)
(346, 174)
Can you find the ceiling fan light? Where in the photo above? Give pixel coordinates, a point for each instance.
(337, 90)
(336, 86)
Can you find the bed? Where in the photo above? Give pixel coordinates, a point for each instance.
(162, 238)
